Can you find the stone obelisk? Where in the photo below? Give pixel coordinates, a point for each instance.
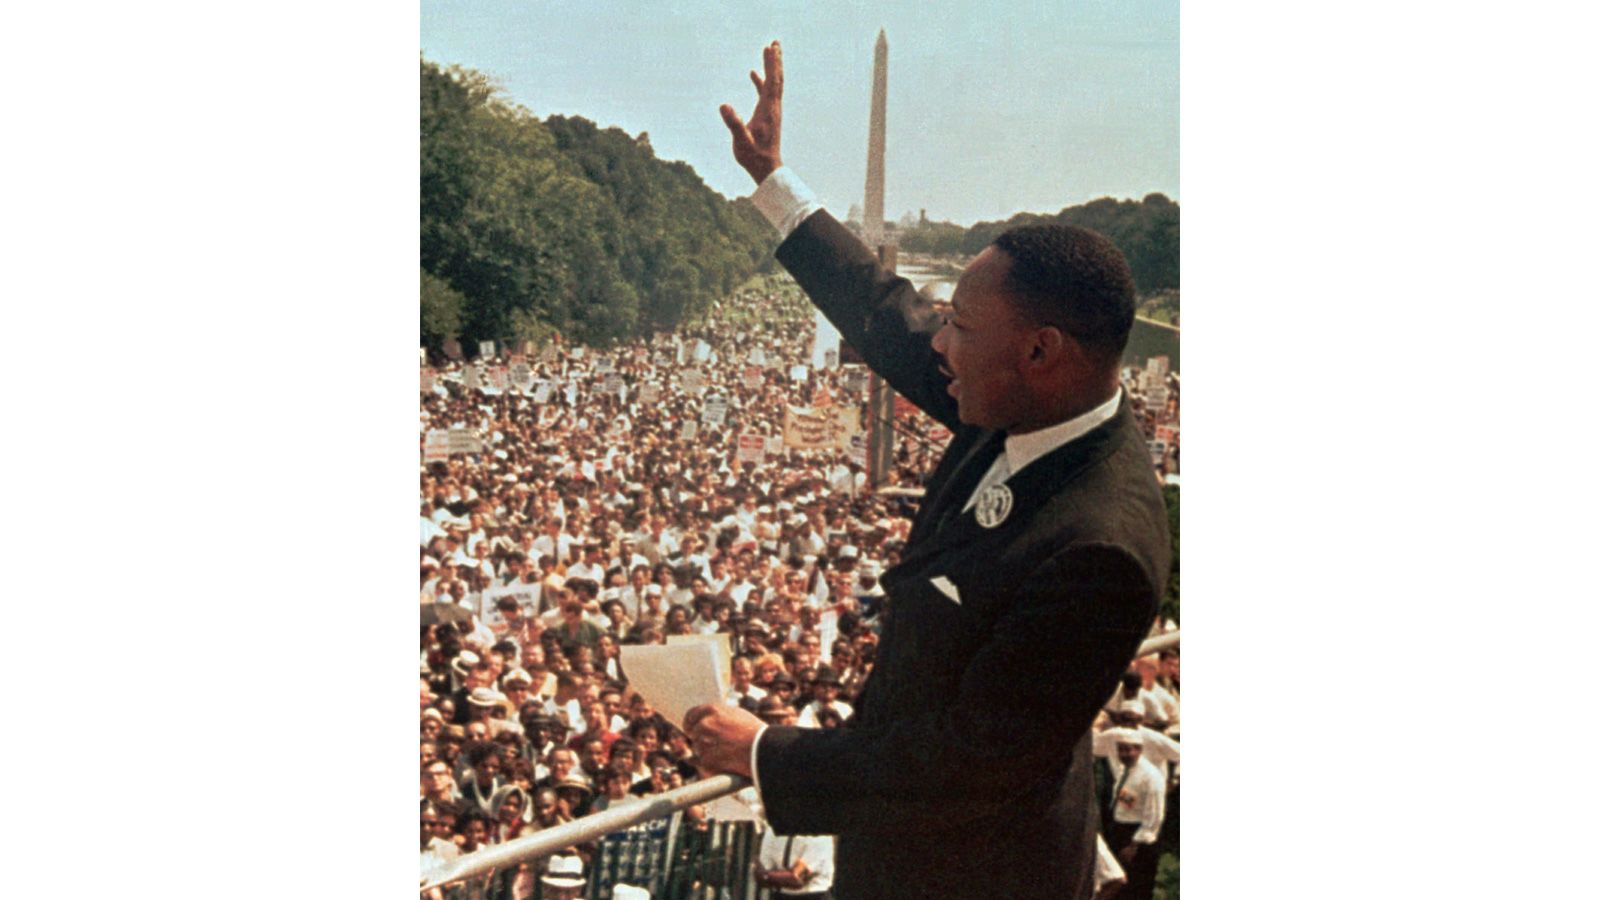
(872, 213)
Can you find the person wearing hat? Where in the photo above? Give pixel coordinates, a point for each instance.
(1138, 806)
(825, 691)
(1032, 573)
(563, 878)
(1159, 750)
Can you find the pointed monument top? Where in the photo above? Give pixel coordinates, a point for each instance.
(882, 38)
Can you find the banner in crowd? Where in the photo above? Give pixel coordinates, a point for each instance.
(813, 429)
(752, 448)
(649, 393)
(486, 349)
(464, 440)
(715, 412)
(436, 446)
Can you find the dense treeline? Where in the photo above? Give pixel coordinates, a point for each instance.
(530, 225)
(1147, 232)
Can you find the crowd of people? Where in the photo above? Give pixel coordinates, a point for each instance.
(589, 514)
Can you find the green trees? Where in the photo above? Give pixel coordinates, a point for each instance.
(1146, 231)
(557, 224)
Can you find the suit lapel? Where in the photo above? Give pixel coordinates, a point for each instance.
(956, 486)
(1031, 488)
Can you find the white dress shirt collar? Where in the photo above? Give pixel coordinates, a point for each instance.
(1022, 449)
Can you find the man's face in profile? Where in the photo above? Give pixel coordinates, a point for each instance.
(984, 344)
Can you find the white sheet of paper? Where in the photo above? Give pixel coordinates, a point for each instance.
(723, 642)
(674, 677)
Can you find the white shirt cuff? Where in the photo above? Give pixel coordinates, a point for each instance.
(755, 774)
(785, 200)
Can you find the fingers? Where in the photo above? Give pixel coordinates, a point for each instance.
(756, 80)
(772, 59)
(693, 716)
(741, 134)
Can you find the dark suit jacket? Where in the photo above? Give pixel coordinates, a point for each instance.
(966, 770)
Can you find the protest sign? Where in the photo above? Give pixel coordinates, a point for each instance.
(693, 380)
(752, 378)
(1158, 451)
(858, 449)
(752, 448)
(469, 377)
(604, 366)
(499, 378)
(541, 391)
(613, 384)
(691, 430)
(522, 376)
(1156, 397)
(649, 393)
(526, 595)
(486, 349)
(758, 357)
(702, 351)
(427, 381)
(830, 359)
(1157, 366)
(464, 440)
(798, 373)
(715, 412)
(774, 445)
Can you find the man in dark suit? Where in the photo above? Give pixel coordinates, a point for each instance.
(1028, 581)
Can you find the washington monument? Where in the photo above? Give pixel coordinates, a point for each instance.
(872, 215)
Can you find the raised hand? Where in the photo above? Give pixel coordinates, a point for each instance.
(755, 146)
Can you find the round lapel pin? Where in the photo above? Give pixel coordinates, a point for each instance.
(993, 505)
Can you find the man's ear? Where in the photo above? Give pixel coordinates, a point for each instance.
(1049, 348)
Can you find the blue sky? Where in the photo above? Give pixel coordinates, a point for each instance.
(992, 110)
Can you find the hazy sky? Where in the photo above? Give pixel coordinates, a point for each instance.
(992, 109)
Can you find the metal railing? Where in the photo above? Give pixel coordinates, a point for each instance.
(597, 825)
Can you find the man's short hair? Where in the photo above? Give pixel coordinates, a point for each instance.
(1074, 279)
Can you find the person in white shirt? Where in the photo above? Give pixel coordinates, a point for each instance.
(742, 687)
(799, 865)
(1159, 750)
(1138, 806)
